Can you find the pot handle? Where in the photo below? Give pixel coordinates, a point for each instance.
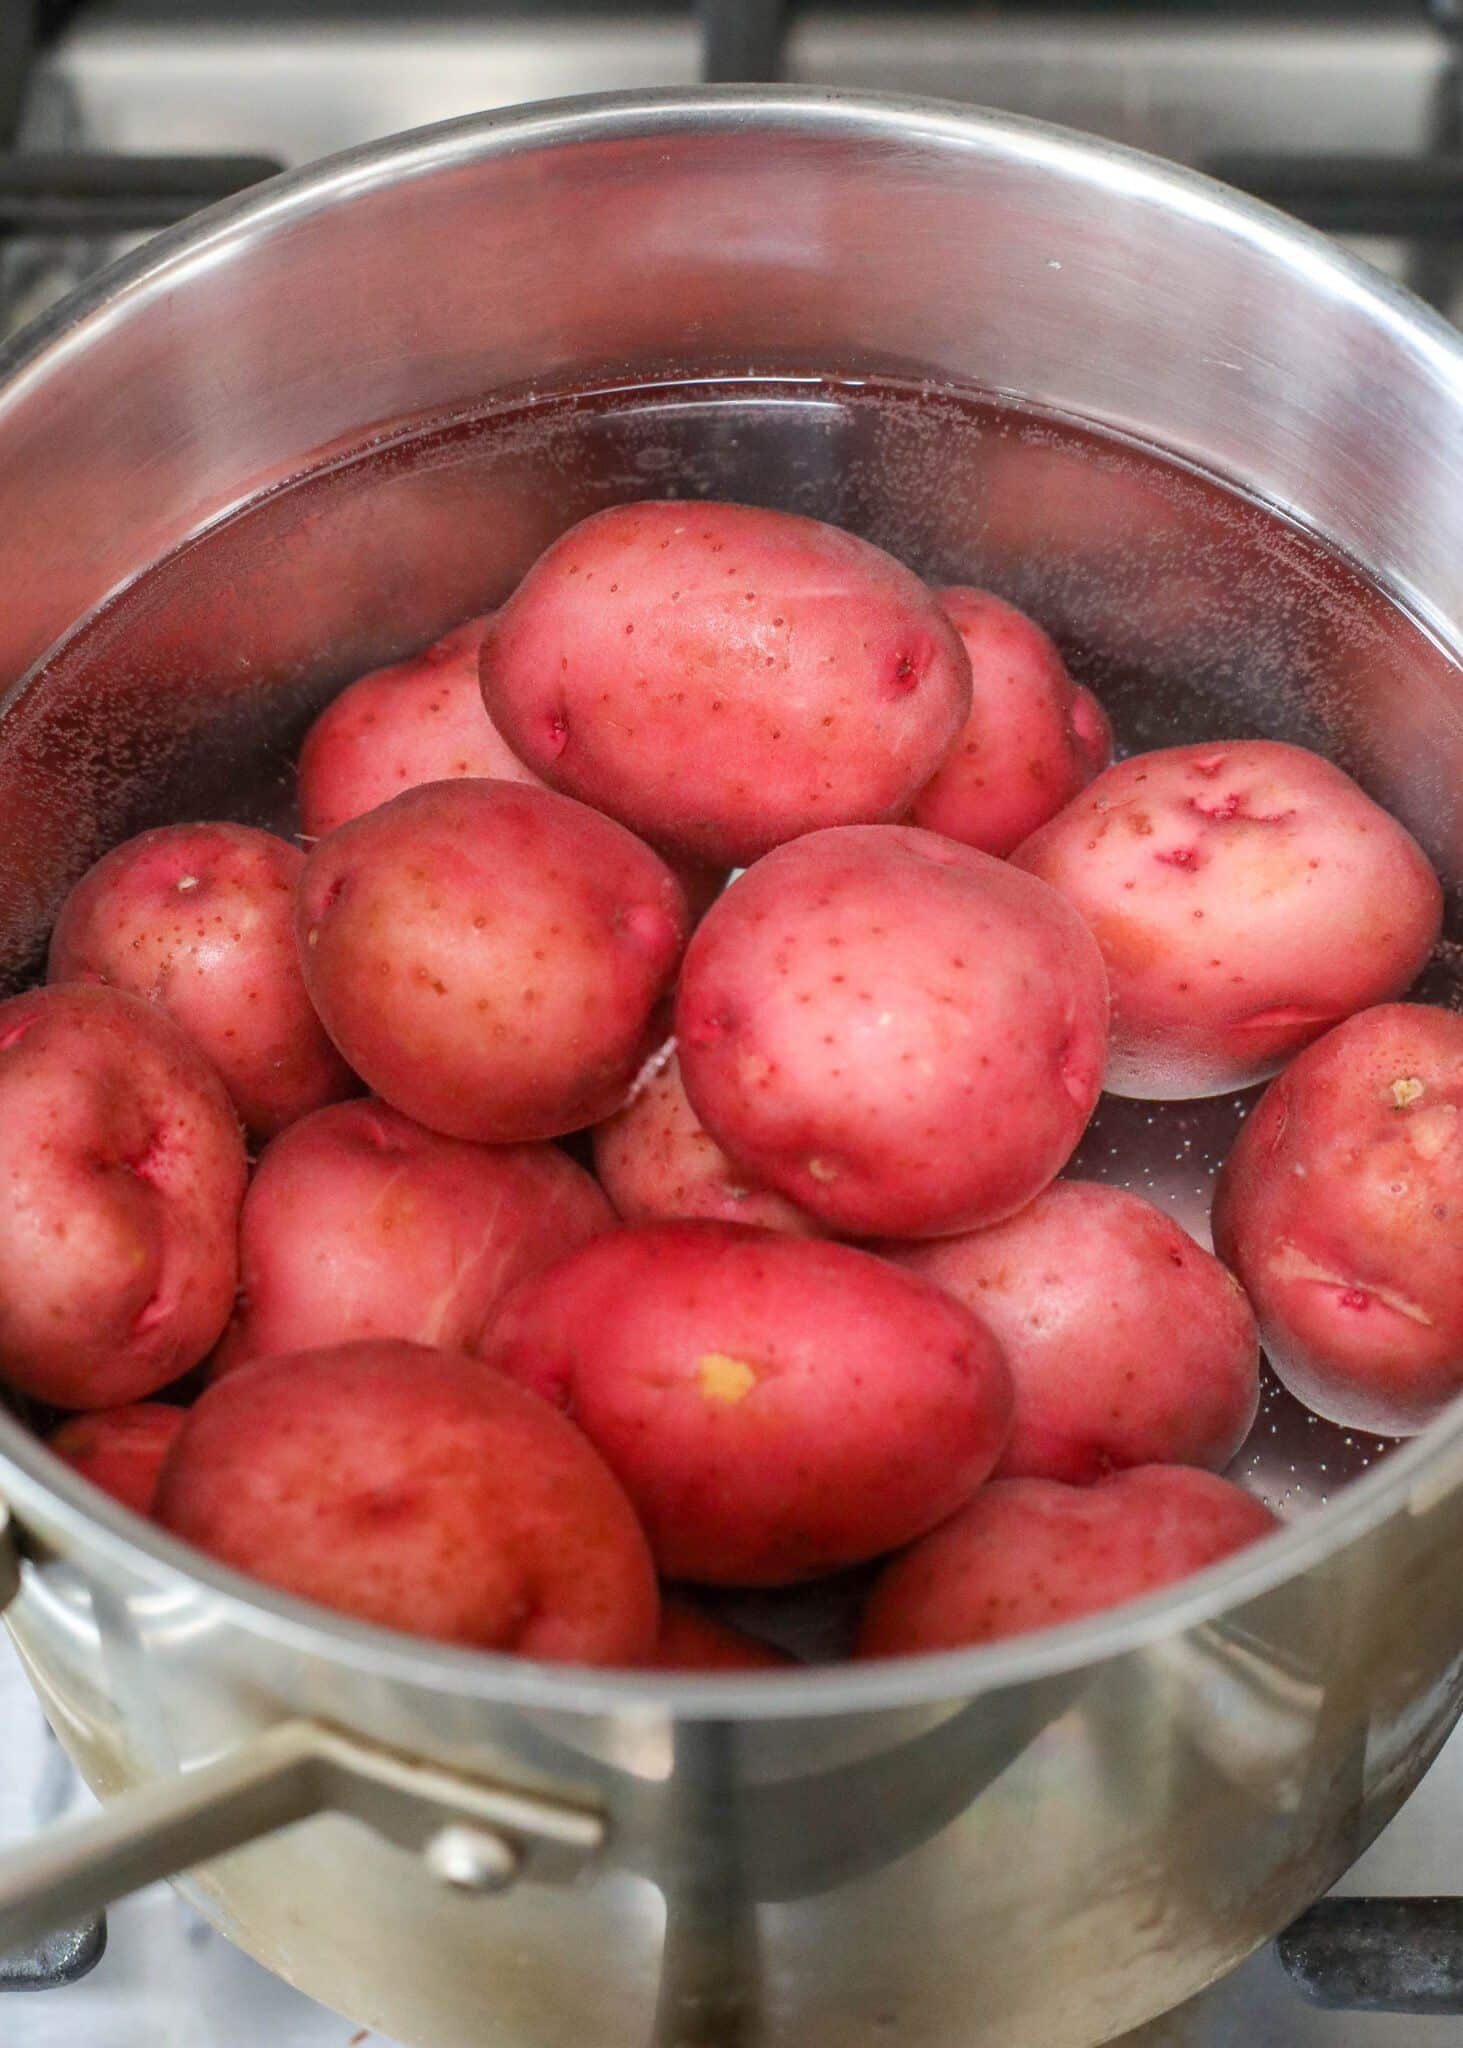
(473, 1834)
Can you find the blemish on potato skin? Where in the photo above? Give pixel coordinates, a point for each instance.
(724, 1380)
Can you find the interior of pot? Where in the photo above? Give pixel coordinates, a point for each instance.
(1194, 607)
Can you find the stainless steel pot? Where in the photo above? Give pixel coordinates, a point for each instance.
(1033, 1846)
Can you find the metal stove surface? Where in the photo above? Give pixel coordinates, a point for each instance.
(167, 1980)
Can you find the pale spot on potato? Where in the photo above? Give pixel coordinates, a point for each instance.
(1406, 1091)
(1431, 1131)
(822, 1169)
(725, 1379)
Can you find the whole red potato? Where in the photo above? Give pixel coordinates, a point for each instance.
(200, 920)
(360, 1223)
(489, 957)
(900, 1034)
(419, 1490)
(1246, 896)
(121, 1450)
(1033, 739)
(1128, 1344)
(656, 1161)
(1341, 1209)
(1031, 1553)
(690, 1639)
(420, 720)
(775, 1407)
(121, 1173)
(722, 678)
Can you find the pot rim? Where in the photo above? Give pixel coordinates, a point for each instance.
(1411, 1480)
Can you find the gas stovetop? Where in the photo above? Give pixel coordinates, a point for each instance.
(119, 116)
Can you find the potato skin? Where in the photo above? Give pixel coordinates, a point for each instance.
(1033, 739)
(122, 1450)
(360, 1223)
(1128, 1344)
(1246, 896)
(121, 1173)
(722, 678)
(419, 1490)
(656, 1162)
(690, 1639)
(199, 919)
(1341, 1209)
(1032, 1553)
(902, 1035)
(419, 720)
(489, 957)
(774, 1406)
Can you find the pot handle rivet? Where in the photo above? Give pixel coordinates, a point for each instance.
(472, 1859)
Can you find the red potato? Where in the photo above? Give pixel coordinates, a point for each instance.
(420, 720)
(902, 1035)
(1033, 739)
(490, 957)
(1341, 1209)
(121, 1173)
(1128, 1344)
(1032, 1553)
(1246, 896)
(122, 1450)
(656, 1162)
(419, 1490)
(360, 1223)
(775, 1407)
(200, 920)
(690, 1639)
(722, 678)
